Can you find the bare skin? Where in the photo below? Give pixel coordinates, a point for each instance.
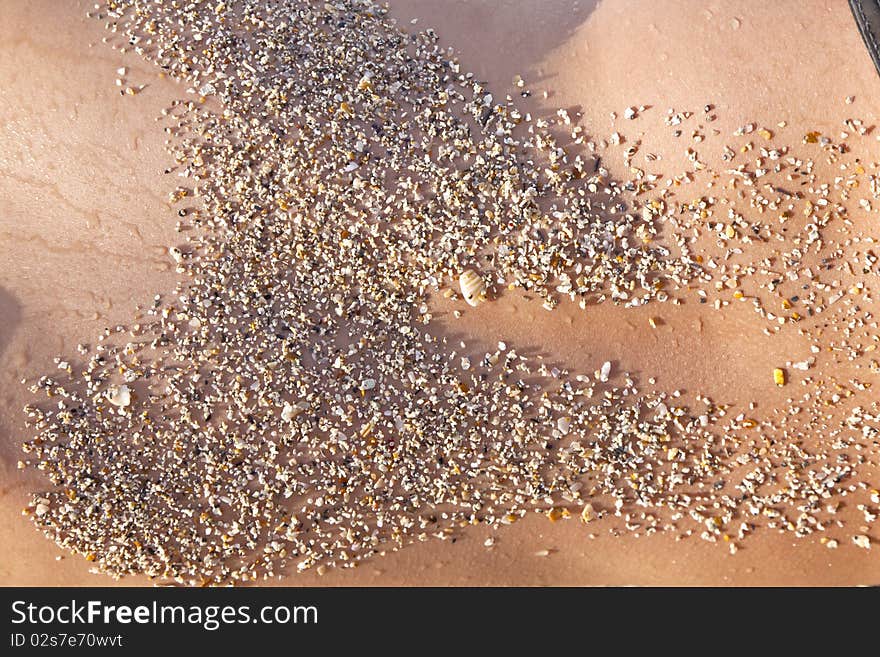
(85, 226)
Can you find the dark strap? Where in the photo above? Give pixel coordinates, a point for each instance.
(867, 13)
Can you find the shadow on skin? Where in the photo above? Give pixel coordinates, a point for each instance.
(532, 31)
(10, 317)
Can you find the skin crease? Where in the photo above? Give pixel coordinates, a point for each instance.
(85, 226)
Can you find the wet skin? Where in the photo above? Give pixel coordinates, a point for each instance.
(85, 225)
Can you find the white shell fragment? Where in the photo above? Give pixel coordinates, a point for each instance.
(176, 254)
(473, 287)
(804, 364)
(119, 395)
(862, 541)
(605, 371)
(563, 424)
(290, 411)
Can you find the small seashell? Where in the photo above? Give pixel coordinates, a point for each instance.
(473, 287)
(563, 424)
(605, 371)
(119, 395)
(588, 513)
(368, 384)
(176, 254)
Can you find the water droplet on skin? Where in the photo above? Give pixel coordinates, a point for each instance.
(735, 23)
